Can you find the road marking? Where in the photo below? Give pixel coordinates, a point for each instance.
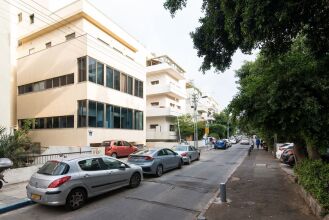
(193, 177)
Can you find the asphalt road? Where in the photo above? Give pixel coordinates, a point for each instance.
(179, 194)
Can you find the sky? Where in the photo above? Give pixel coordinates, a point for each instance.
(149, 23)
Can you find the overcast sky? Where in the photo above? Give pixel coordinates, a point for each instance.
(152, 25)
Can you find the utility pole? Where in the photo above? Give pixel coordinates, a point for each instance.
(195, 105)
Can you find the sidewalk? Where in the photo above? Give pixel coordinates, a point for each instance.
(259, 189)
(13, 196)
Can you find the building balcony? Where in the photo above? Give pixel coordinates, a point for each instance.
(164, 64)
(156, 135)
(171, 89)
(161, 112)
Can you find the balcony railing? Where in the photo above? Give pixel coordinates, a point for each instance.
(171, 89)
(158, 111)
(165, 59)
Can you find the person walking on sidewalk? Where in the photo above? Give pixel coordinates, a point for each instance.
(257, 142)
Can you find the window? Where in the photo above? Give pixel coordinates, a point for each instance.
(70, 36)
(39, 123)
(154, 126)
(92, 69)
(109, 77)
(100, 73)
(124, 118)
(116, 78)
(82, 69)
(62, 122)
(55, 122)
(116, 117)
(162, 153)
(70, 121)
(62, 80)
(111, 163)
(49, 122)
(100, 115)
(155, 82)
(20, 89)
(172, 105)
(82, 113)
(129, 122)
(138, 88)
(31, 18)
(20, 17)
(48, 44)
(36, 87)
(154, 103)
(123, 83)
(109, 116)
(70, 78)
(93, 164)
(178, 107)
(169, 152)
(28, 88)
(130, 85)
(92, 114)
(138, 115)
(49, 83)
(171, 127)
(31, 50)
(55, 82)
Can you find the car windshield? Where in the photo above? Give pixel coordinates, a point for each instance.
(54, 168)
(148, 151)
(180, 148)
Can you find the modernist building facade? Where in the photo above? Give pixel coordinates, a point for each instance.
(165, 98)
(80, 77)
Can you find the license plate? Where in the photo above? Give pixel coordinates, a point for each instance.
(35, 196)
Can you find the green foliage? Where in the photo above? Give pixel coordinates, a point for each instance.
(271, 25)
(186, 125)
(313, 175)
(215, 135)
(285, 95)
(13, 145)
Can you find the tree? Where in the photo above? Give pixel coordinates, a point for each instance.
(287, 95)
(271, 25)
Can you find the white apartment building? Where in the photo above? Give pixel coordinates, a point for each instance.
(165, 98)
(206, 105)
(79, 76)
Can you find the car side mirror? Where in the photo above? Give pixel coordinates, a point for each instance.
(176, 153)
(122, 166)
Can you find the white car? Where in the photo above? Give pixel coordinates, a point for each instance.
(282, 148)
(233, 141)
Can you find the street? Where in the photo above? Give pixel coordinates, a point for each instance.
(179, 194)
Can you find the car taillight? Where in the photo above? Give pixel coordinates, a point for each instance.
(148, 158)
(183, 154)
(59, 182)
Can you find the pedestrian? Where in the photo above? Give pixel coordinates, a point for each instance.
(257, 142)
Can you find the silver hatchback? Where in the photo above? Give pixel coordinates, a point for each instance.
(70, 181)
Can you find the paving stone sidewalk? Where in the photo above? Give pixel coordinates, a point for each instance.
(259, 190)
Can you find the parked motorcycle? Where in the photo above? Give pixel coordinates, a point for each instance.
(5, 164)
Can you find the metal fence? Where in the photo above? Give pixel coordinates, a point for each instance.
(29, 160)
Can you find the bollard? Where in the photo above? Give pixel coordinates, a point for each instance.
(222, 188)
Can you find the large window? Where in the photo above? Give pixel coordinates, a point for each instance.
(82, 113)
(109, 117)
(82, 69)
(116, 117)
(124, 117)
(100, 114)
(129, 121)
(138, 88)
(100, 73)
(138, 120)
(92, 69)
(116, 78)
(123, 83)
(92, 113)
(51, 122)
(130, 85)
(109, 77)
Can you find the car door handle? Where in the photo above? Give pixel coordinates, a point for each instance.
(86, 175)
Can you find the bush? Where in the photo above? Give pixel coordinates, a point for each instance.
(313, 175)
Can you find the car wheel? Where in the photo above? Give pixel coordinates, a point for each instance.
(198, 158)
(114, 155)
(159, 171)
(76, 199)
(135, 180)
(180, 164)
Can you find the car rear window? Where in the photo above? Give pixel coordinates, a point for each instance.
(54, 168)
(148, 151)
(180, 148)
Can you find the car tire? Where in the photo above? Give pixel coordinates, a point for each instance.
(180, 164)
(159, 171)
(135, 180)
(198, 158)
(76, 199)
(114, 155)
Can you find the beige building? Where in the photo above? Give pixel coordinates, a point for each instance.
(79, 76)
(165, 98)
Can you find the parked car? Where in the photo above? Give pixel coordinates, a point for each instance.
(282, 148)
(228, 143)
(288, 157)
(233, 140)
(220, 144)
(245, 141)
(156, 161)
(116, 148)
(187, 152)
(70, 181)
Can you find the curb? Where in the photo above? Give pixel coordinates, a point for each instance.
(17, 205)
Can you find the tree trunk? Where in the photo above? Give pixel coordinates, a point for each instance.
(300, 150)
(313, 153)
